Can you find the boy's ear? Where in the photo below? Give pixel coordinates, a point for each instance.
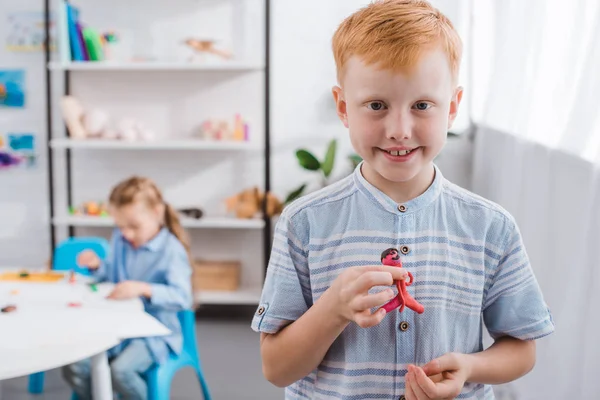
(340, 104)
(454, 103)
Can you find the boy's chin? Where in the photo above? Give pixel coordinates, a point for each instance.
(401, 173)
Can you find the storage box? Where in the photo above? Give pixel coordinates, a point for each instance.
(216, 275)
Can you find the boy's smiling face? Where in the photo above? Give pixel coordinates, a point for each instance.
(391, 113)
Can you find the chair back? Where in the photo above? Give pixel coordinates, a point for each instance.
(65, 254)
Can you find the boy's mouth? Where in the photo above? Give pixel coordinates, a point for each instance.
(401, 152)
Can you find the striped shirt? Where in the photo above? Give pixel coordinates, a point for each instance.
(470, 270)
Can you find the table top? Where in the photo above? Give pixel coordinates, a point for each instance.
(45, 332)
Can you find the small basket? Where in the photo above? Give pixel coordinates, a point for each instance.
(216, 275)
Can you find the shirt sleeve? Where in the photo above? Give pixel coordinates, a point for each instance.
(513, 303)
(286, 293)
(176, 291)
(102, 273)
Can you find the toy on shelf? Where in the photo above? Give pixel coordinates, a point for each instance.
(8, 308)
(91, 208)
(248, 203)
(202, 47)
(392, 258)
(192, 212)
(217, 129)
(96, 123)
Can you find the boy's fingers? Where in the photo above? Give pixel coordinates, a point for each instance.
(369, 301)
(426, 384)
(369, 279)
(366, 320)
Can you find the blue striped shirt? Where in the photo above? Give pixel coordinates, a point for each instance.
(469, 265)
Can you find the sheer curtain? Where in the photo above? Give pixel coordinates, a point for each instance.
(536, 106)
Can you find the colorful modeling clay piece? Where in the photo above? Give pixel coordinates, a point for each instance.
(93, 287)
(72, 277)
(392, 258)
(74, 304)
(9, 308)
(23, 274)
(14, 292)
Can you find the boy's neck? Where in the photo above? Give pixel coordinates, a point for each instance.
(400, 192)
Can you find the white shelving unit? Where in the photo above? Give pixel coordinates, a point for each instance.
(249, 293)
(175, 144)
(191, 223)
(155, 66)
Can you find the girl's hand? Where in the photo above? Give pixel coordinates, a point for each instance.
(442, 378)
(129, 290)
(89, 259)
(350, 296)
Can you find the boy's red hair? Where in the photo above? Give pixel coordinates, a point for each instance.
(393, 33)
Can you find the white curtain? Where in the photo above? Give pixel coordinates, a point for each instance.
(536, 78)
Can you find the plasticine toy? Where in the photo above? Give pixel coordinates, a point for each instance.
(392, 258)
(248, 203)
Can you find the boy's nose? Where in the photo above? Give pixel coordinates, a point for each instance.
(399, 128)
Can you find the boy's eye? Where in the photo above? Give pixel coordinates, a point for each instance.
(376, 105)
(422, 106)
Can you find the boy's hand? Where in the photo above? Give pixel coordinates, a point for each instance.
(442, 378)
(350, 293)
(129, 290)
(89, 259)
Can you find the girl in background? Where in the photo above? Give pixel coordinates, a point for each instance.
(149, 258)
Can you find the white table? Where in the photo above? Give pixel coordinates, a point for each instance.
(44, 333)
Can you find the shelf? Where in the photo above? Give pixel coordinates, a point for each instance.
(247, 296)
(202, 223)
(154, 66)
(174, 144)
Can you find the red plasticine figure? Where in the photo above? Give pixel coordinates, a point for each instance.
(392, 258)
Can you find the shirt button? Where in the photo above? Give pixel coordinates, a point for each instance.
(404, 326)
(402, 398)
(404, 249)
(402, 208)
(261, 310)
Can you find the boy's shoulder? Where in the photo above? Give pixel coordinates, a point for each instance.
(476, 207)
(329, 194)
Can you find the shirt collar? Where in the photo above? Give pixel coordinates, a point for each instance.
(377, 196)
(156, 243)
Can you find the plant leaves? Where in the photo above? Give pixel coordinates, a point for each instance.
(307, 160)
(355, 159)
(327, 165)
(295, 194)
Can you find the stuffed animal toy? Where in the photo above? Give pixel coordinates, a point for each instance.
(96, 123)
(248, 203)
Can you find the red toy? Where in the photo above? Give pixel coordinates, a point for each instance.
(392, 258)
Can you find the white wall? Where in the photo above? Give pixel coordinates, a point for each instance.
(302, 113)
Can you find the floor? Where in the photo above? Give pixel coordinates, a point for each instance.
(230, 355)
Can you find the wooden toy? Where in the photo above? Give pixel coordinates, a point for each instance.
(201, 47)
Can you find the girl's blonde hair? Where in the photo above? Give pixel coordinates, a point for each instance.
(145, 190)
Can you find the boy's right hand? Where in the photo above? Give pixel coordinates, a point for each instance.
(89, 259)
(350, 295)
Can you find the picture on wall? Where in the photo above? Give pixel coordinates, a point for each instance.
(12, 88)
(25, 31)
(18, 150)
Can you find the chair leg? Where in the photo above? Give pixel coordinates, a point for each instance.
(36, 383)
(203, 384)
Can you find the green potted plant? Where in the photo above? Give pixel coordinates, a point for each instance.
(324, 167)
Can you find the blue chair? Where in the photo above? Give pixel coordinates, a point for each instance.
(159, 377)
(65, 259)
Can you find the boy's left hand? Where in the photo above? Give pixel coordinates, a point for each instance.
(442, 378)
(128, 290)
